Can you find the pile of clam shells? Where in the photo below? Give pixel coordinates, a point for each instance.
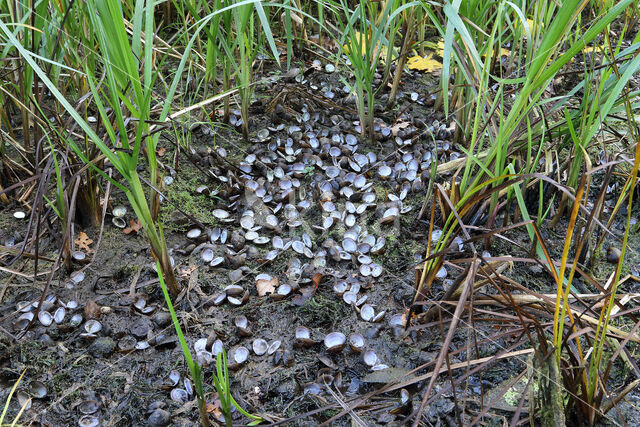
(310, 190)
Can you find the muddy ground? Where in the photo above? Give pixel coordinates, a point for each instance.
(104, 378)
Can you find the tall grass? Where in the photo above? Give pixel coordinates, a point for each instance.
(125, 97)
(366, 31)
(498, 129)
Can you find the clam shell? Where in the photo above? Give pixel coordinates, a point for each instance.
(350, 297)
(89, 421)
(370, 358)
(273, 347)
(37, 389)
(179, 395)
(241, 322)
(200, 345)
(119, 211)
(76, 319)
(340, 287)
(233, 290)
(207, 255)
(335, 342)
(174, 377)
(216, 261)
(302, 332)
(260, 346)
(92, 326)
(45, 318)
(220, 214)
(240, 355)
(356, 342)
(367, 312)
(194, 233)
(88, 407)
(58, 315)
(442, 273)
(376, 270)
(397, 321)
(217, 347)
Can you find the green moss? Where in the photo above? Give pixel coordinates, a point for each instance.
(181, 193)
(321, 311)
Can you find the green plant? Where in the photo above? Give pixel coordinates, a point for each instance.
(122, 97)
(365, 32)
(23, 89)
(194, 368)
(246, 48)
(220, 378)
(221, 383)
(60, 207)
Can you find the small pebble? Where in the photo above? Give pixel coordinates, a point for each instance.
(159, 418)
(141, 327)
(162, 319)
(102, 347)
(46, 340)
(613, 254)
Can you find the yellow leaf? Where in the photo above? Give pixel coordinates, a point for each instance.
(427, 64)
(530, 22)
(437, 47)
(503, 52)
(360, 39)
(440, 48)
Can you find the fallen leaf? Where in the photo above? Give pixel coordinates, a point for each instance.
(440, 48)
(360, 41)
(134, 227)
(83, 241)
(92, 310)
(213, 408)
(329, 43)
(396, 127)
(265, 287)
(161, 151)
(437, 47)
(317, 278)
(427, 64)
(530, 23)
(305, 295)
(590, 49)
(503, 52)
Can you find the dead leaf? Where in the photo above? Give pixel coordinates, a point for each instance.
(399, 125)
(213, 408)
(160, 151)
(92, 310)
(590, 49)
(329, 43)
(134, 227)
(265, 287)
(317, 66)
(83, 241)
(530, 22)
(317, 278)
(426, 64)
